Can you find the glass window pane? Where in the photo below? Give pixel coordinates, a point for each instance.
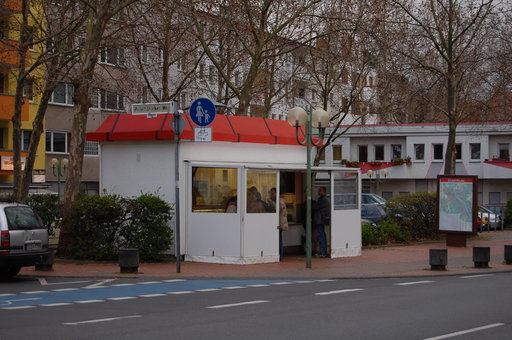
(438, 151)
(214, 190)
(345, 190)
(48, 142)
(475, 150)
(419, 151)
(396, 151)
(363, 153)
(70, 93)
(379, 152)
(336, 152)
(59, 142)
(59, 94)
(458, 151)
(259, 197)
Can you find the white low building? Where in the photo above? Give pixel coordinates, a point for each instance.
(220, 219)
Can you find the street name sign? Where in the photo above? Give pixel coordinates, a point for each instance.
(152, 109)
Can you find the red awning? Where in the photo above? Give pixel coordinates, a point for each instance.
(124, 127)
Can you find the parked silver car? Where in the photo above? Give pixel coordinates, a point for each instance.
(23, 238)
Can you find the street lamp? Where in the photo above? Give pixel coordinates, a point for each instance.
(380, 176)
(59, 167)
(319, 118)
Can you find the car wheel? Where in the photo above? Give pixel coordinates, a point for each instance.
(10, 271)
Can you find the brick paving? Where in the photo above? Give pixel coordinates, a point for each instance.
(375, 262)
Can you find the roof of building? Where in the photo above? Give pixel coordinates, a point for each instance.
(127, 127)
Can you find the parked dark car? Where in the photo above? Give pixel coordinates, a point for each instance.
(373, 212)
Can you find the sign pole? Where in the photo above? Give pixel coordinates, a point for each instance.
(177, 186)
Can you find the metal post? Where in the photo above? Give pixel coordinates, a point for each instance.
(308, 189)
(177, 186)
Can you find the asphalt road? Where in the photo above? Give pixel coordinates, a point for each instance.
(458, 307)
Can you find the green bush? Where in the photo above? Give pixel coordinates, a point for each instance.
(96, 223)
(415, 214)
(49, 208)
(148, 228)
(386, 231)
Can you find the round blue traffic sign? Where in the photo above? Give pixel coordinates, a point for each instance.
(202, 111)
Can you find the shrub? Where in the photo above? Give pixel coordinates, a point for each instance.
(415, 214)
(147, 228)
(508, 213)
(49, 208)
(96, 224)
(386, 231)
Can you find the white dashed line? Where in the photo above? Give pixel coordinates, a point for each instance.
(182, 292)
(339, 291)
(281, 283)
(257, 286)
(152, 295)
(7, 294)
(238, 304)
(55, 304)
(34, 292)
(89, 301)
(327, 280)
(147, 283)
(207, 290)
(304, 281)
(475, 276)
(20, 307)
(235, 287)
(122, 298)
(175, 280)
(64, 289)
(123, 285)
(472, 330)
(101, 320)
(412, 283)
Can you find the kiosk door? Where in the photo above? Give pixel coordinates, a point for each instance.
(260, 236)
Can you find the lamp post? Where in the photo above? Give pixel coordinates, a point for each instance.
(59, 168)
(299, 117)
(380, 176)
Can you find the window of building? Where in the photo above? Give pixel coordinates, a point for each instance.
(214, 190)
(63, 94)
(25, 139)
(458, 151)
(259, 185)
(28, 88)
(474, 149)
(494, 197)
(3, 83)
(112, 56)
(91, 148)
(438, 152)
(419, 152)
(144, 94)
(396, 151)
(301, 92)
(336, 153)
(211, 73)
(379, 152)
(107, 100)
(509, 196)
(363, 153)
(56, 142)
(503, 149)
(144, 54)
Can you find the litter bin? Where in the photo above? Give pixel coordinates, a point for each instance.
(129, 260)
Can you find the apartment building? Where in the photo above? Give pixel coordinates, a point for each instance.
(407, 158)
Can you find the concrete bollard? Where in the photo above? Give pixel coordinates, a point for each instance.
(438, 259)
(508, 254)
(481, 256)
(129, 260)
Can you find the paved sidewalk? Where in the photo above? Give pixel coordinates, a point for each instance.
(391, 261)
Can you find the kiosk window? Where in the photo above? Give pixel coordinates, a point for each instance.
(345, 190)
(214, 190)
(260, 199)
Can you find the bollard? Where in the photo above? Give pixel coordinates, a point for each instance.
(47, 262)
(508, 254)
(438, 259)
(481, 256)
(129, 260)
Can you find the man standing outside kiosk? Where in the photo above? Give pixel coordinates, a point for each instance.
(321, 217)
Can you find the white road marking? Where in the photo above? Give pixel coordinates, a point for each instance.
(412, 283)
(257, 286)
(182, 292)
(151, 295)
(339, 291)
(475, 276)
(9, 302)
(235, 287)
(55, 304)
(34, 292)
(175, 280)
(98, 284)
(305, 281)
(64, 289)
(101, 320)
(472, 330)
(327, 280)
(89, 301)
(147, 282)
(122, 298)
(123, 285)
(281, 283)
(7, 294)
(43, 282)
(20, 307)
(238, 304)
(207, 290)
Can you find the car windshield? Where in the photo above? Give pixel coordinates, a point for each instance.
(22, 217)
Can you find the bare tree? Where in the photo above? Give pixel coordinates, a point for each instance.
(444, 45)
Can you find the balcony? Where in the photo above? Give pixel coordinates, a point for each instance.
(7, 107)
